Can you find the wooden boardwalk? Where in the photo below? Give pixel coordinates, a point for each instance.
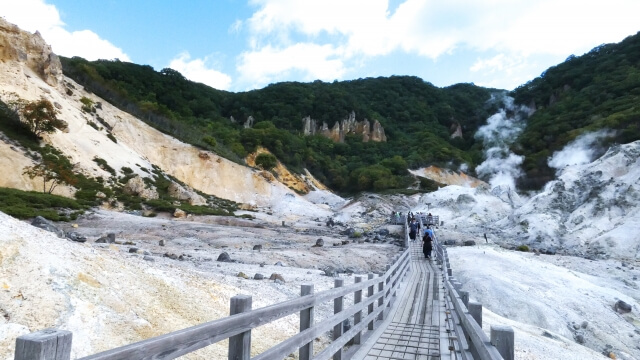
(412, 329)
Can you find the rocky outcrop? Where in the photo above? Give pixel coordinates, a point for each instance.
(349, 125)
(456, 130)
(181, 193)
(31, 50)
(249, 123)
(136, 186)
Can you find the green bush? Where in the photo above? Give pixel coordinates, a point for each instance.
(266, 161)
(112, 138)
(523, 248)
(29, 204)
(102, 163)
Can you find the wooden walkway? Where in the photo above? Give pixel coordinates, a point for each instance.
(412, 329)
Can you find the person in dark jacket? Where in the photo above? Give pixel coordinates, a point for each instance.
(413, 230)
(427, 245)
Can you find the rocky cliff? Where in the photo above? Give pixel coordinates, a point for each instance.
(31, 51)
(349, 125)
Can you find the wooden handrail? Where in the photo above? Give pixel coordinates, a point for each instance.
(181, 342)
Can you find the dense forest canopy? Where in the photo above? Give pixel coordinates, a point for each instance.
(417, 117)
(599, 90)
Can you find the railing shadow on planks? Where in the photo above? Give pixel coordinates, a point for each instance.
(366, 313)
(464, 318)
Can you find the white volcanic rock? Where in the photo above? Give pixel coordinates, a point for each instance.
(591, 210)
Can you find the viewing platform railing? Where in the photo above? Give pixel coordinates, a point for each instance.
(366, 312)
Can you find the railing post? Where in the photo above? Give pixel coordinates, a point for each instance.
(357, 317)
(475, 310)
(44, 345)
(381, 298)
(387, 294)
(338, 304)
(502, 338)
(240, 345)
(306, 321)
(464, 296)
(370, 294)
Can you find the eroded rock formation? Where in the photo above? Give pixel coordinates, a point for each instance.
(349, 125)
(31, 50)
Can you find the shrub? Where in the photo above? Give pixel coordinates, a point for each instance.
(102, 163)
(266, 161)
(523, 248)
(112, 138)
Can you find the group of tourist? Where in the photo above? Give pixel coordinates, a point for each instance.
(427, 235)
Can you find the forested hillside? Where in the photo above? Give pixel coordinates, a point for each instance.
(599, 90)
(418, 119)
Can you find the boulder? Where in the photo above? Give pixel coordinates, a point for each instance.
(450, 242)
(469, 243)
(257, 247)
(258, 276)
(74, 236)
(148, 258)
(319, 243)
(171, 256)
(242, 275)
(47, 225)
(109, 238)
(280, 263)
(383, 232)
(161, 242)
(133, 250)
(136, 186)
(330, 271)
(224, 257)
(178, 213)
(276, 276)
(622, 307)
(181, 193)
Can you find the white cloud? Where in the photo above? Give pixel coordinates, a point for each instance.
(36, 15)
(515, 29)
(269, 63)
(197, 70)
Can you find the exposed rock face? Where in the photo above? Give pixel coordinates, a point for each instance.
(249, 122)
(346, 126)
(456, 130)
(177, 191)
(31, 50)
(136, 186)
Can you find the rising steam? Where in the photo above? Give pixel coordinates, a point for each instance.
(583, 150)
(501, 166)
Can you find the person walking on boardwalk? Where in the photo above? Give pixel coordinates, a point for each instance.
(413, 230)
(427, 244)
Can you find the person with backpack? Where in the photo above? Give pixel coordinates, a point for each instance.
(427, 242)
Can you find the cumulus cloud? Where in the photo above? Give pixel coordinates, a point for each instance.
(197, 70)
(582, 150)
(501, 166)
(513, 29)
(37, 15)
(270, 63)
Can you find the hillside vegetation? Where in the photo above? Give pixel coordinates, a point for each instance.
(417, 118)
(598, 90)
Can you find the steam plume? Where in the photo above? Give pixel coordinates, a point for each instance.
(582, 150)
(501, 166)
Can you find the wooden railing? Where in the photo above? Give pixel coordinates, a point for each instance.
(465, 319)
(366, 313)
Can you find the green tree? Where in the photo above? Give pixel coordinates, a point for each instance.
(266, 161)
(47, 175)
(40, 116)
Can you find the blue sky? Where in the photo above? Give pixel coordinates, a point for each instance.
(241, 45)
